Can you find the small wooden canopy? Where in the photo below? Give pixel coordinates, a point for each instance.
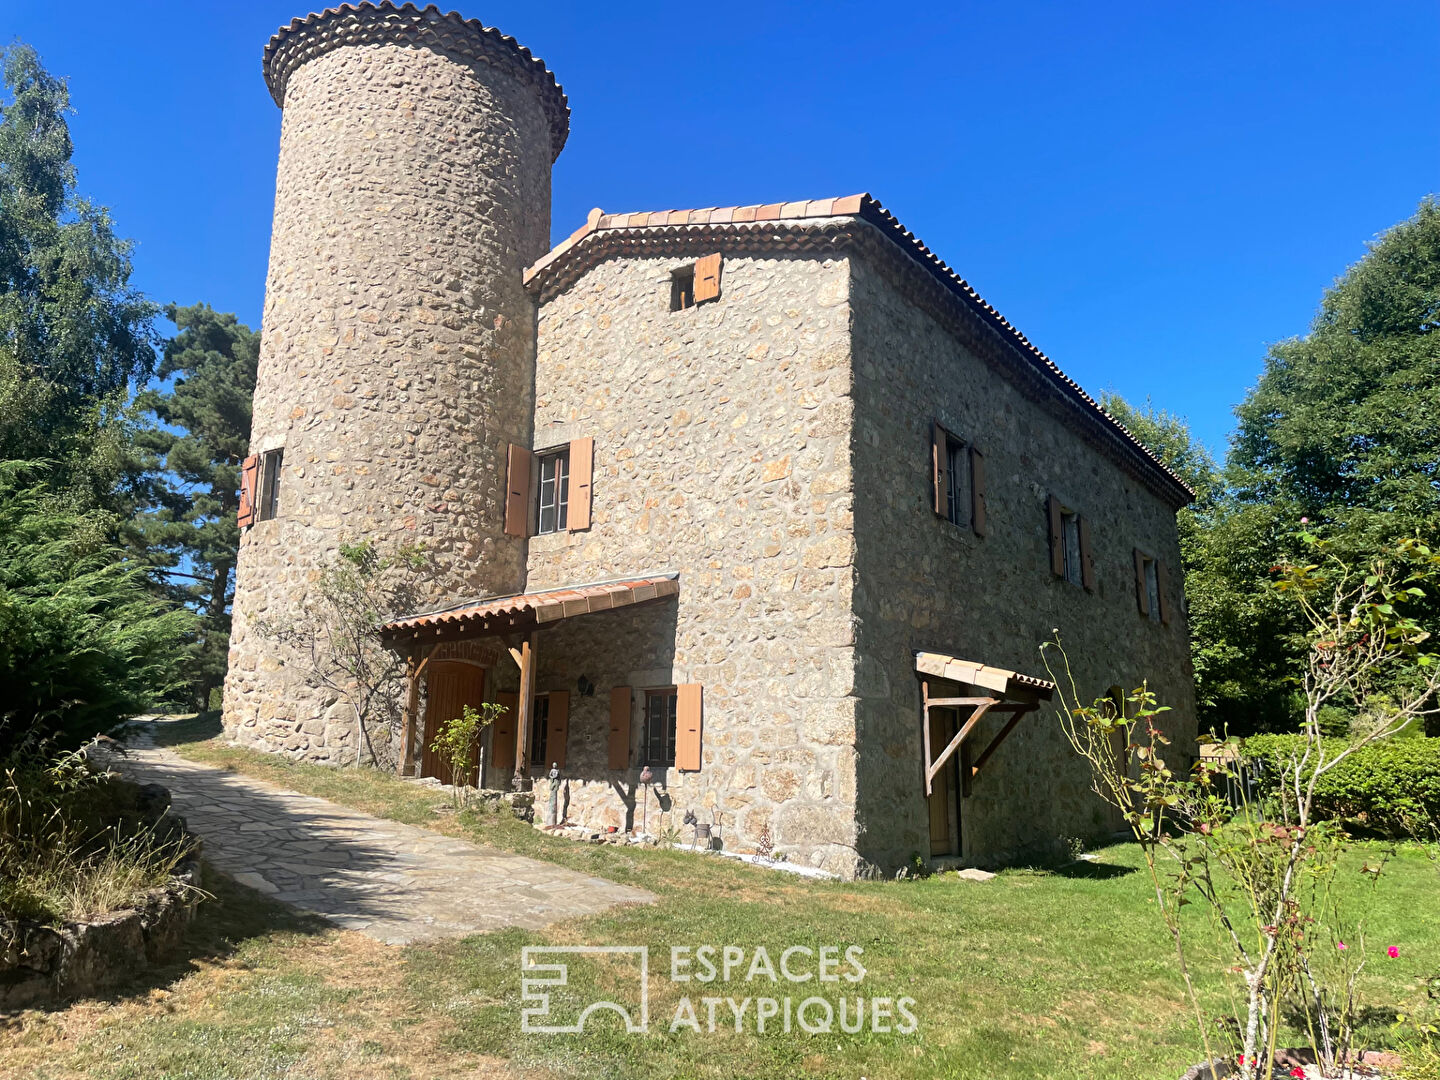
(528, 611)
(1002, 692)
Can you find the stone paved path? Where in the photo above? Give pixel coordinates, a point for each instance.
(395, 882)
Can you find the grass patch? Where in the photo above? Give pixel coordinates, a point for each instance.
(1037, 973)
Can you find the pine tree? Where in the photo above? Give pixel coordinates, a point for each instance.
(190, 461)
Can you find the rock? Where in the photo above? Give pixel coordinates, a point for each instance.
(972, 874)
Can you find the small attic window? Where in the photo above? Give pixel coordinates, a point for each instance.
(682, 288)
(696, 283)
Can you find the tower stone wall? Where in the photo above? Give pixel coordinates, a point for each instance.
(398, 346)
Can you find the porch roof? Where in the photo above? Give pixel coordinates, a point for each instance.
(528, 611)
(1006, 683)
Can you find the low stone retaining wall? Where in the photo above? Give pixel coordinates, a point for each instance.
(43, 964)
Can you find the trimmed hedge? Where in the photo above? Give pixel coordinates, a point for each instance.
(1391, 787)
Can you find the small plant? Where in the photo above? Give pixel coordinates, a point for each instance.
(338, 634)
(73, 843)
(1266, 872)
(670, 834)
(457, 742)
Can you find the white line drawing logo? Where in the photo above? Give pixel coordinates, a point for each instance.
(537, 978)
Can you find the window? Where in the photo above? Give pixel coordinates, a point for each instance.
(553, 492)
(957, 481)
(682, 288)
(696, 283)
(1150, 588)
(270, 484)
(1070, 545)
(539, 728)
(660, 727)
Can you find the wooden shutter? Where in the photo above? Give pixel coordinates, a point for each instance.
(582, 472)
(1087, 561)
(557, 728)
(707, 277)
(619, 749)
(977, 491)
(249, 473)
(517, 491)
(1141, 593)
(688, 716)
(938, 475)
(502, 734)
(1162, 585)
(1057, 537)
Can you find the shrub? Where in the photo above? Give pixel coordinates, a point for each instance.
(1390, 787)
(75, 842)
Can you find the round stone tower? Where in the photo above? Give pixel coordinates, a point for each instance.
(398, 352)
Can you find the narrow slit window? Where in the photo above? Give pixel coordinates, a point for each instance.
(1152, 589)
(270, 484)
(660, 727)
(682, 288)
(1070, 539)
(553, 493)
(957, 482)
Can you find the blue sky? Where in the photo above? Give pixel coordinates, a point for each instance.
(1151, 192)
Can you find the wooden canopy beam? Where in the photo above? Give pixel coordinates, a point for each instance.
(410, 720)
(982, 705)
(524, 656)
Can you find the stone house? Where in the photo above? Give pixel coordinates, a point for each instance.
(758, 513)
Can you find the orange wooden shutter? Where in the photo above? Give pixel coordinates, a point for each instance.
(557, 728)
(707, 277)
(688, 715)
(1057, 538)
(502, 736)
(1162, 583)
(977, 492)
(517, 491)
(582, 472)
(1141, 593)
(1087, 563)
(938, 476)
(249, 473)
(619, 749)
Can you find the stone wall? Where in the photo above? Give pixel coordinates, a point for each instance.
(722, 442)
(923, 583)
(398, 347)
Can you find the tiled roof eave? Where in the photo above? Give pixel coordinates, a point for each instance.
(677, 231)
(383, 21)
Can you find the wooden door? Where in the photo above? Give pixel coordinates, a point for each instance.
(450, 687)
(942, 788)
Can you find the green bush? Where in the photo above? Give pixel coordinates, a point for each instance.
(1390, 787)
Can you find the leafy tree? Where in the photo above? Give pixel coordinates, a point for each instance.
(1239, 632)
(1343, 429)
(74, 335)
(84, 639)
(190, 462)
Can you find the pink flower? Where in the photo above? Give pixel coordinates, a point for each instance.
(1392, 952)
(1297, 1071)
(1341, 946)
(1303, 521)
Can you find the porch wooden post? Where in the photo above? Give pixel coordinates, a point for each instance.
(410, 718)
(412, 706)
(526, 704)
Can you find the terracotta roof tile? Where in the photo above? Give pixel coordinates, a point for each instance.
(537, 608)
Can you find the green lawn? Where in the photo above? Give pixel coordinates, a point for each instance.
(1035, 974)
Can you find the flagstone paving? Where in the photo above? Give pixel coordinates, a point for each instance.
(396, 883)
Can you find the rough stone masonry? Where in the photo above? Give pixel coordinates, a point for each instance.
(746, 398)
